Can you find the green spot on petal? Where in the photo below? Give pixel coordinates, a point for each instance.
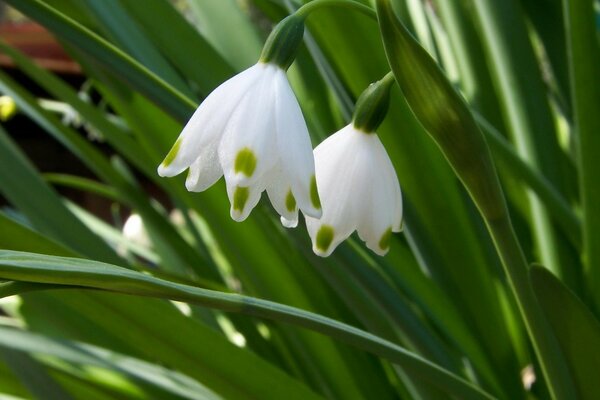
(314, 194)
(384, 242)
(240, 197)
(324, 237)
(290, 201)
(172, 153)
(245, 162)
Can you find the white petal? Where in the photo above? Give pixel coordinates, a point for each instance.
(208, 121)
(243, 199)
(382, 213)
(248, 149)
(282, 198)
(206, 170)
(295, 147)
(341, 170)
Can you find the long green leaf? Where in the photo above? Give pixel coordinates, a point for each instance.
(86, 355)
(576, 328)
(444, 114)
(584, 66)
(526, 110)
(107, 55)
(45, 210)
(69, 271)
(33, 375)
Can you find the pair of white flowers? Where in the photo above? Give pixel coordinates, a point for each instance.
(251, 130)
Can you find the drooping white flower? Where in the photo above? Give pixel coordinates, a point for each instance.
(359, 191)
(251, 130)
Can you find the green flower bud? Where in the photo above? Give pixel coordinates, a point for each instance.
(372, 106)
(283, 42)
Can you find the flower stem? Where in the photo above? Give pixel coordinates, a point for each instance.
(316, 4)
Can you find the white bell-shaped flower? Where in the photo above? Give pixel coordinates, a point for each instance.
(251, 130)
(359, 191)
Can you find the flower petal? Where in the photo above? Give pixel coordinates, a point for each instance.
(342, 171)
(282, 198)
(248, 148)
(243, 199)
(206, 170)
(207, 122)
(383, 205)
(295, 148)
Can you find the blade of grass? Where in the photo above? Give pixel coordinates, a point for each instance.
(526, 109)
(161, 379)
(575, 327)
(121, 28)
(114, 134)
(513, 165)
(107, 55)
(215, 19)
(60, 270)
(33, 375)
(45, 210)
(445, 115)
(584, 67)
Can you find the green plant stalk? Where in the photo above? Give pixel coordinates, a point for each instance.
(584, 64)
(447, 118)
(38, 268)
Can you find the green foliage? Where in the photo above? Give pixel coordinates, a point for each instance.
(206, 308)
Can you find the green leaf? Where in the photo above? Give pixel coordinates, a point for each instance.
(215, 20)
(107, 55)
(121, 28)
(576, 328)
(14, 236)
(584, 64)
(70, 271)
(33, 375)
(448, 120)
(528, 117)
(45, 210)
(85, 356)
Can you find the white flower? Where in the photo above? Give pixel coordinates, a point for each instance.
(359, 191)
(251, 130)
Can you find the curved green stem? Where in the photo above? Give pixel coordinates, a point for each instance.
(316, 4)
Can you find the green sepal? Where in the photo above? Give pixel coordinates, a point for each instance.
(283, 42)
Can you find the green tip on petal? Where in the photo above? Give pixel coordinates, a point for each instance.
(314, 194)
(172, 153)
(324, 237)
(240, 197)
(384, 242)
(290, 201)
(245, 162)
